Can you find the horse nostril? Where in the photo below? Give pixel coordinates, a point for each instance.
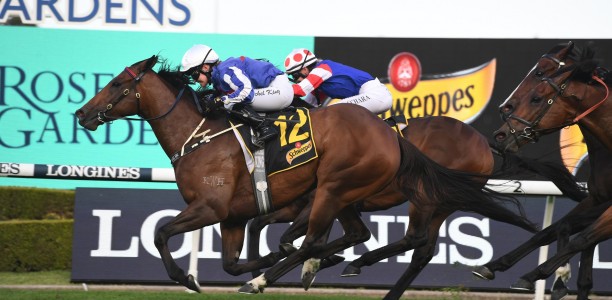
(500, 136)
(79, 114)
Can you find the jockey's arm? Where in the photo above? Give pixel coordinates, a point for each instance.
(240, 83)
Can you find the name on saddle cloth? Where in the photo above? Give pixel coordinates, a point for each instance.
(293, 146)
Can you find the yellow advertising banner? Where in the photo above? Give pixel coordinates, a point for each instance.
(573, 148)
(462, 95)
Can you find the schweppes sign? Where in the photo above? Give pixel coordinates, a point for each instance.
(462, 95)
(573, 148)
(299, 150)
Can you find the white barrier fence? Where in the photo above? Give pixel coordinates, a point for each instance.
(51, 171)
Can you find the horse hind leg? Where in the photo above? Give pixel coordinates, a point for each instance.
(356, 232)
(416, 236)
(420, 258)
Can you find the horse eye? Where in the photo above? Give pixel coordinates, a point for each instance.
(536, 100)
(115, 84)
(539, 73)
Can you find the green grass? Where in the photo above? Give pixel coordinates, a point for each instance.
(62, 278)
(142, 295)
(42, 278)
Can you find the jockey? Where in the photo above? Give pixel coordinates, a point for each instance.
(316, 79)
(247, 86)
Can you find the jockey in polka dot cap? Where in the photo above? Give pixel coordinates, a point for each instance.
(315, 80)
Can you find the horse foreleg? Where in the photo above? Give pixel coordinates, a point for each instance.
(232, 239)
(585, 274)
(284, 215)
(320, 219)
(297, 229)
(563, 273)
(542, 238)
(599, 231)
(190, 219)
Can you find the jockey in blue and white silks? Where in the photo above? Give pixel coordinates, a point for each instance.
(253, 84)
(259, 83)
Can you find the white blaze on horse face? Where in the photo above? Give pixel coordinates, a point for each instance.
(520, 84)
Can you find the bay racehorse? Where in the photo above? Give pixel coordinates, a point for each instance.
(457, 146)
(358, 156)
(566, 87)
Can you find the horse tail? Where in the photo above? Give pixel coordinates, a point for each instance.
(513, 165)
(425, 182)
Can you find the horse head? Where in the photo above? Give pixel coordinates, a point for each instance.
(118, 99)
(549, 98)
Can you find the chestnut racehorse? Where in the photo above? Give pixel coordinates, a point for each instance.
(359, 156)
(566, 87)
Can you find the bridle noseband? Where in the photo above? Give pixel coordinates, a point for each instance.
(103, 118)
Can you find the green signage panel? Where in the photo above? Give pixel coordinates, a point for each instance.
(46, 74)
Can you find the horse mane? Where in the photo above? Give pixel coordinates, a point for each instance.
(587, 65)
(176, 79)
(171, 75)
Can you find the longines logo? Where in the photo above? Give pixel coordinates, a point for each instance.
(92, 172)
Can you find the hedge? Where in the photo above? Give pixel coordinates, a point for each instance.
(35, 204)
(35, 245)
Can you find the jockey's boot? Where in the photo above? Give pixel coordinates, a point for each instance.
(264, 130)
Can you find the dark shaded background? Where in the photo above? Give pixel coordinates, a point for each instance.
(515, 57)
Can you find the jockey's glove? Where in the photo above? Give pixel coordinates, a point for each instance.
(227, 102)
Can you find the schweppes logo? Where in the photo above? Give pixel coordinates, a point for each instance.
(462, 95)
(573, 148)
(299, 150)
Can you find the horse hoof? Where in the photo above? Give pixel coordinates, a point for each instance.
(483, 272)
(331, 261)
(523, 285)
(350, 271)
(248, 288)
(559, 290)
(287, 248)
(193, 284)
(307, 279)
(559, 294)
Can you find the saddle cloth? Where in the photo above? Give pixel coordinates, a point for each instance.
(293, 146)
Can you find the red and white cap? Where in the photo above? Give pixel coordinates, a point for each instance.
(299, 58)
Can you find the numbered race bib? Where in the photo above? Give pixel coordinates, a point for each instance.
(293, 146)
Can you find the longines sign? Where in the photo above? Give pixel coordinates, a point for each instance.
(114, 233)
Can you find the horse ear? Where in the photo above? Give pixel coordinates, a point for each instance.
(566, 51)
(151, 62)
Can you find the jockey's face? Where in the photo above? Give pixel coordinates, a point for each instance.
(202, 78)
(298, 76)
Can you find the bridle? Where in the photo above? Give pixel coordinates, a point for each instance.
(103, 118)
(531, 132)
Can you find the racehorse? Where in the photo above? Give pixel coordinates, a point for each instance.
(457, 146)
(566, 87)
(356, 160)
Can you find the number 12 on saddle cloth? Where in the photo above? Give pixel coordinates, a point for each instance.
(293, 146)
